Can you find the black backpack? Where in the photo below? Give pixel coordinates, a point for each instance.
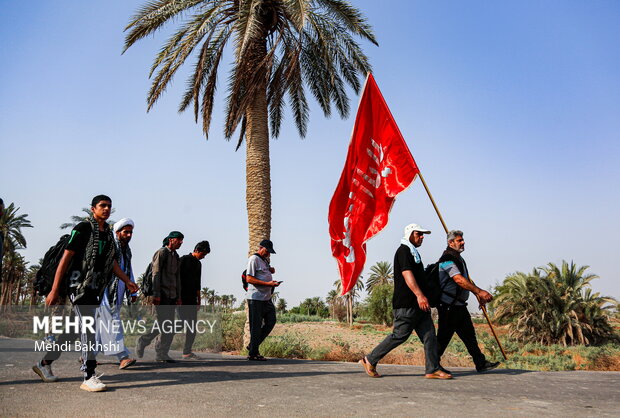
(432, 288)
(244, 282)
(147, 281)
(44, 279)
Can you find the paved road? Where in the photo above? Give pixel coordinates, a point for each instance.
(230, 385)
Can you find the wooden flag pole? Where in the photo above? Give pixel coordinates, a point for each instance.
(484, 309)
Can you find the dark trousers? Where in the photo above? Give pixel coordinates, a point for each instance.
(406, 320)
(86, 337)
(165, 322)
(262, 320)
(188, 314)
(457, 319)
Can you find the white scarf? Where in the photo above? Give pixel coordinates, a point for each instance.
(414, 252)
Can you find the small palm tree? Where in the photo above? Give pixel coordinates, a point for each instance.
(380, 273)
(554, 305)
(280, 48)
(76, 219)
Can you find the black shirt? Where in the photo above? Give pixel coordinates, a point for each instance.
(77, 243)
(191, 270)
(403, 296)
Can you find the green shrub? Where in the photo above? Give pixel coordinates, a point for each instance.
(297, 317)
(379, 304)
(285, 346)
(232, 332)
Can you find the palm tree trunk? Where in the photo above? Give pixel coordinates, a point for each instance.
(258, 167)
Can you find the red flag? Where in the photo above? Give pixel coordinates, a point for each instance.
(379, 166)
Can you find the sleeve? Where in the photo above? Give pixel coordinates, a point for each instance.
(157, 266)
(179, 288)
(450, 268)
(252, 266)
(198, 276)
(405, 259)
(79, 237)
(185, 268)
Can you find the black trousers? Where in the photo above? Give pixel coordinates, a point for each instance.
(262, 320)
(457, 319)
(188, 314)
(165, 313)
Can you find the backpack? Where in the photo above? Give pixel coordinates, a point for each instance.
(432, 288)
(44, 279)
(146, 287)
(244, 282)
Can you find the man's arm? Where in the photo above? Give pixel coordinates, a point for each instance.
(63, 266)
(118, 272)
(482, 295)
(156, 266)
(254, 280)
(413, 285)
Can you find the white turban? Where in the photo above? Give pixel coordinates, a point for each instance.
(122, 224)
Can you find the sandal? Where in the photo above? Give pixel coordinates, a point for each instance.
(126, 362)
(257, 358)
(370, 369)
(438, 374)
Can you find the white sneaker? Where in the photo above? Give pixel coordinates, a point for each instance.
(93, 384)
(45, 372)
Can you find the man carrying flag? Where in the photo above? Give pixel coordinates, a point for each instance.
(411, 308)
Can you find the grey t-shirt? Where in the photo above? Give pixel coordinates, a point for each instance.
(258, 269)
(447, 270)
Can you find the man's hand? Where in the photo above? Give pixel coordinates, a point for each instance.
(179, 302)
(484, 297)
(272, 270)
(423, 302)
(156, 301)
(133, 288)
(134, 299)
(273, 283)
(52, 298)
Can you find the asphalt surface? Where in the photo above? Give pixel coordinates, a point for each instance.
(232, 386)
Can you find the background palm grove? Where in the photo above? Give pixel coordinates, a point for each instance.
(517, 92)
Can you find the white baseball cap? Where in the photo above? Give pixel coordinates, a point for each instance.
(414, 227)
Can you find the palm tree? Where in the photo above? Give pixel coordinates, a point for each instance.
(76, 219)
(13, 271)
(204, 295)
(11, 224)
(380, 273)
(553, 305)
(278, 47)
(350, 296)
(281, 306)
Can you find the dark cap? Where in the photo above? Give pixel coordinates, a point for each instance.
(267, 244)
(175, 234)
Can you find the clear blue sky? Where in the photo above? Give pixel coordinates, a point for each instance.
(510, 110)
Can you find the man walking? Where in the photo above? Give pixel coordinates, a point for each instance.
(166, 295)
(411, 308)
(453, 313)
(191, 271)
(262, 313)
(110, 310)
(90, 256)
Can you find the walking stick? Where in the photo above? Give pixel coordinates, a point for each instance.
(484, 309)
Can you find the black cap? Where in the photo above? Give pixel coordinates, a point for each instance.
(267, 244)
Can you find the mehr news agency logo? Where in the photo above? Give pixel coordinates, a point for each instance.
(56, 325)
